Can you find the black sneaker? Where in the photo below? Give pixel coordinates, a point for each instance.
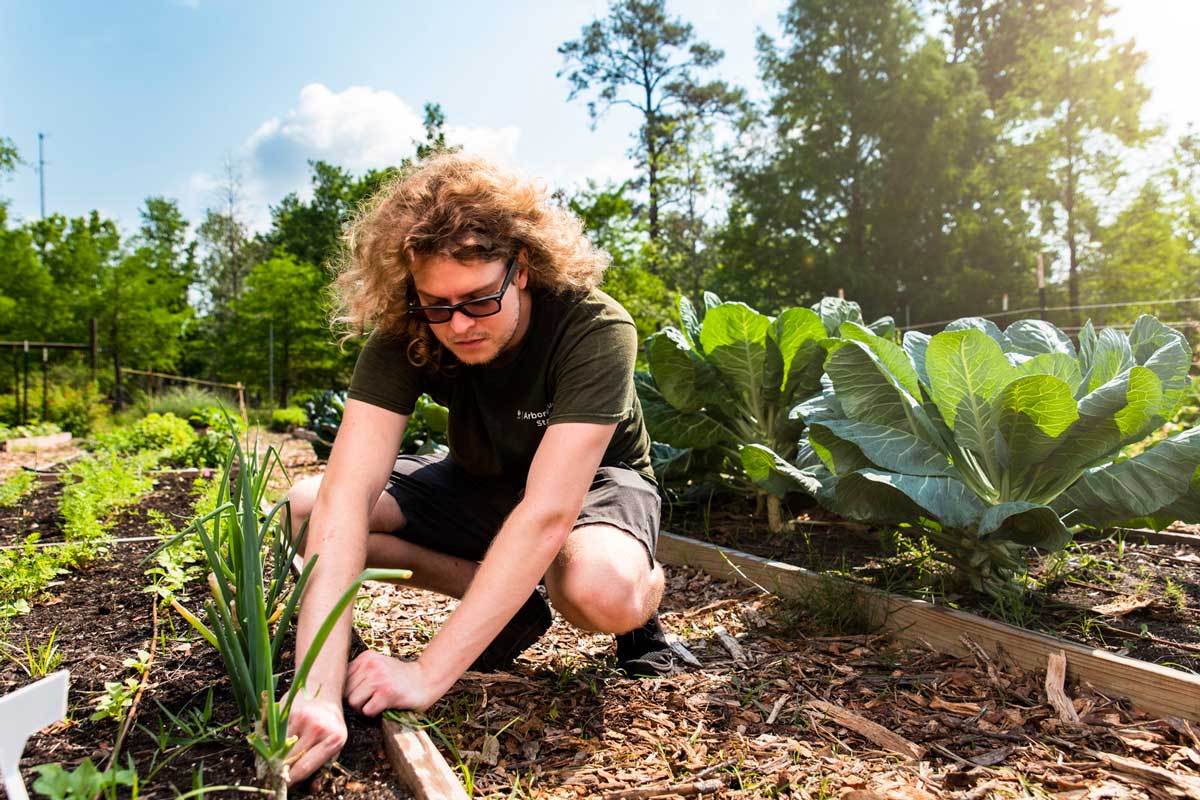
(525, 628)
(645, 653)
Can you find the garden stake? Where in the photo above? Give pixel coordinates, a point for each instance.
(36, 706)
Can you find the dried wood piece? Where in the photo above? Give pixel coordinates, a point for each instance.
(1056, 674)
(730, 644)
(678, 789)
(419, 764)
(775, 709)
(1185, 728)
(680, 650)
(871, 731)
(1189, 785)
(1120, 606)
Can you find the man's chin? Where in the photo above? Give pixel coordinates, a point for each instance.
(479, 354)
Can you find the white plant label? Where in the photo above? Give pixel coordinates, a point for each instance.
(22, 714)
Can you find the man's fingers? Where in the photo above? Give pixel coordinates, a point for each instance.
(309, 763)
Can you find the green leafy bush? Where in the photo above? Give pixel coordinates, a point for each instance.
(33, 429)
(991, 441)
(153, 432)
(286, 419)
(182, 401)
(84, 782)
(324, 416)
(19, 485)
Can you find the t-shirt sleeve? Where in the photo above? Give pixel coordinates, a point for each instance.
(594, 381)
(384, 377)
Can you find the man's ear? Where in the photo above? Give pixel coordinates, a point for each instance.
(521, 277)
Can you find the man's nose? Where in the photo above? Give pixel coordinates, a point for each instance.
(460, 322)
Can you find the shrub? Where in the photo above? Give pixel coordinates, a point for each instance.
(285, 419)
(182, 401)
(152, 432)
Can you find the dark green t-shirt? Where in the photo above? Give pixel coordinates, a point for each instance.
(575, 364)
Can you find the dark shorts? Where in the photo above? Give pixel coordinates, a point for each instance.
(451, 511)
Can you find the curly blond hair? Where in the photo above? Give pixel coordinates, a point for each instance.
(462, 207)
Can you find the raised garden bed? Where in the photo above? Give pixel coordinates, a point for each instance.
(31, 443)
(1130, 593)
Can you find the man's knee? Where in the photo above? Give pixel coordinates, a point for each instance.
(301, 499)
(605, 594)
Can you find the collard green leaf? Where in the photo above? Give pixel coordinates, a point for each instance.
(840, 457)
(669, 462)
(1087, 347)
(1060, 365)
(1138, 486)
(799, 332)
(674, 367)
(711, 301)
(1171, 363)
(834, 311)
(887, 496)
(884, 326)
(1110, 357)
(866, 390)
(967, 370)
(915, 345)
(774, 474)
(980, 324)
(889, 448)
(1025, 523)
(1032, 413)
(666, 424)
(772, 371)
(1115, 414)
(734, 339)
(1148, 336)
(1033, 337)
(890, 354)
(690, 321)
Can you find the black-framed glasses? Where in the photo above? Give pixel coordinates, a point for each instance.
(484, 306)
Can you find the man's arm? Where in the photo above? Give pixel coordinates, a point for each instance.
(563, 468)
(362, 459)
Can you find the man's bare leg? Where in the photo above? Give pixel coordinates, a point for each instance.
(602, 580)
(433, 571)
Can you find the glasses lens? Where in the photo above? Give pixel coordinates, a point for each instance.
(482, 308)
(436, 315)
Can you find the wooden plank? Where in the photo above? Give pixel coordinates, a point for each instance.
(1157, 690)
(29, 443)
(419, 764)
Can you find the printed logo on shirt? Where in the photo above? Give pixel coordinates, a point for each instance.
(539, 418)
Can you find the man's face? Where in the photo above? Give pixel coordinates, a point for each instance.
(440, 280)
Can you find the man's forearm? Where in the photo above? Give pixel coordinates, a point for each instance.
(340, 548)
(518, 558)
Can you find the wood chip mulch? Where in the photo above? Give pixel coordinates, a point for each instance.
(774, 713)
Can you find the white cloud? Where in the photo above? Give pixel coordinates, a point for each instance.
(359, 128)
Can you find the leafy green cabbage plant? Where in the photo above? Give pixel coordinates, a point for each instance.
(720, 395)
(994, 441)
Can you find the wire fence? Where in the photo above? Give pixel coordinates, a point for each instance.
(1044, 311)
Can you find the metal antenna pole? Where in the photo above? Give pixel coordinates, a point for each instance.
(42, 174)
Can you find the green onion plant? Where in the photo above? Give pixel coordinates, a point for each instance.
(252, 605)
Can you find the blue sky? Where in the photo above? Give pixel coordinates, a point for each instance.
(141, 98)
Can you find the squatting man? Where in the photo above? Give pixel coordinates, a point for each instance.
(479, 290)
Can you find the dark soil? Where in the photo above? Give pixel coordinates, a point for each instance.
(35, 513)
(101, 616)
(1110, 590)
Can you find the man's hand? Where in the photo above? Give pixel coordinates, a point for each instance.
(375, 683)
(321, 728)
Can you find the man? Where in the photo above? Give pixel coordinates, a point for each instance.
(481, 292)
